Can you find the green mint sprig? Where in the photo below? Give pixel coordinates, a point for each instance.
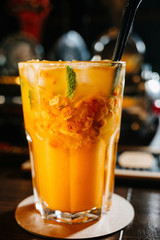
(71, 81)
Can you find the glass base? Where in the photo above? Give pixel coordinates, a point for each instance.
(70, 218)
(120, 216)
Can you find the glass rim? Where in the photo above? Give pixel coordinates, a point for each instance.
(74, 63)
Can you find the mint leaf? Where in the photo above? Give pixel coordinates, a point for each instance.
(30, 96)
(71, 82)
(20, 81)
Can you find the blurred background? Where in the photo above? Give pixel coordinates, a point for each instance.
(66, 30)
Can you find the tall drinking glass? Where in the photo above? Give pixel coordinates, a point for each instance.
(72, 114)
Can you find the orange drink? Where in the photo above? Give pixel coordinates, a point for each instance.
(72, 113)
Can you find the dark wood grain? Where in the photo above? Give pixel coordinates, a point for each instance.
(15, 185)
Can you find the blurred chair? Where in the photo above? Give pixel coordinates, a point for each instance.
(14, 49)
(70, 46)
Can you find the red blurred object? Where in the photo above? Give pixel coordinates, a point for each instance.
(156, 106)
(31, 14)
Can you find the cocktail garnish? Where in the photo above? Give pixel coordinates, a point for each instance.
(20, 80)
(71, 82)
(30, 96)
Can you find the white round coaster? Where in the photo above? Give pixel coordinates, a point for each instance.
(120, 215)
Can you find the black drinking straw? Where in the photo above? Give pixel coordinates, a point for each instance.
(127, 22)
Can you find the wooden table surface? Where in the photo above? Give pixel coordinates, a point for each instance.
(144, 195)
